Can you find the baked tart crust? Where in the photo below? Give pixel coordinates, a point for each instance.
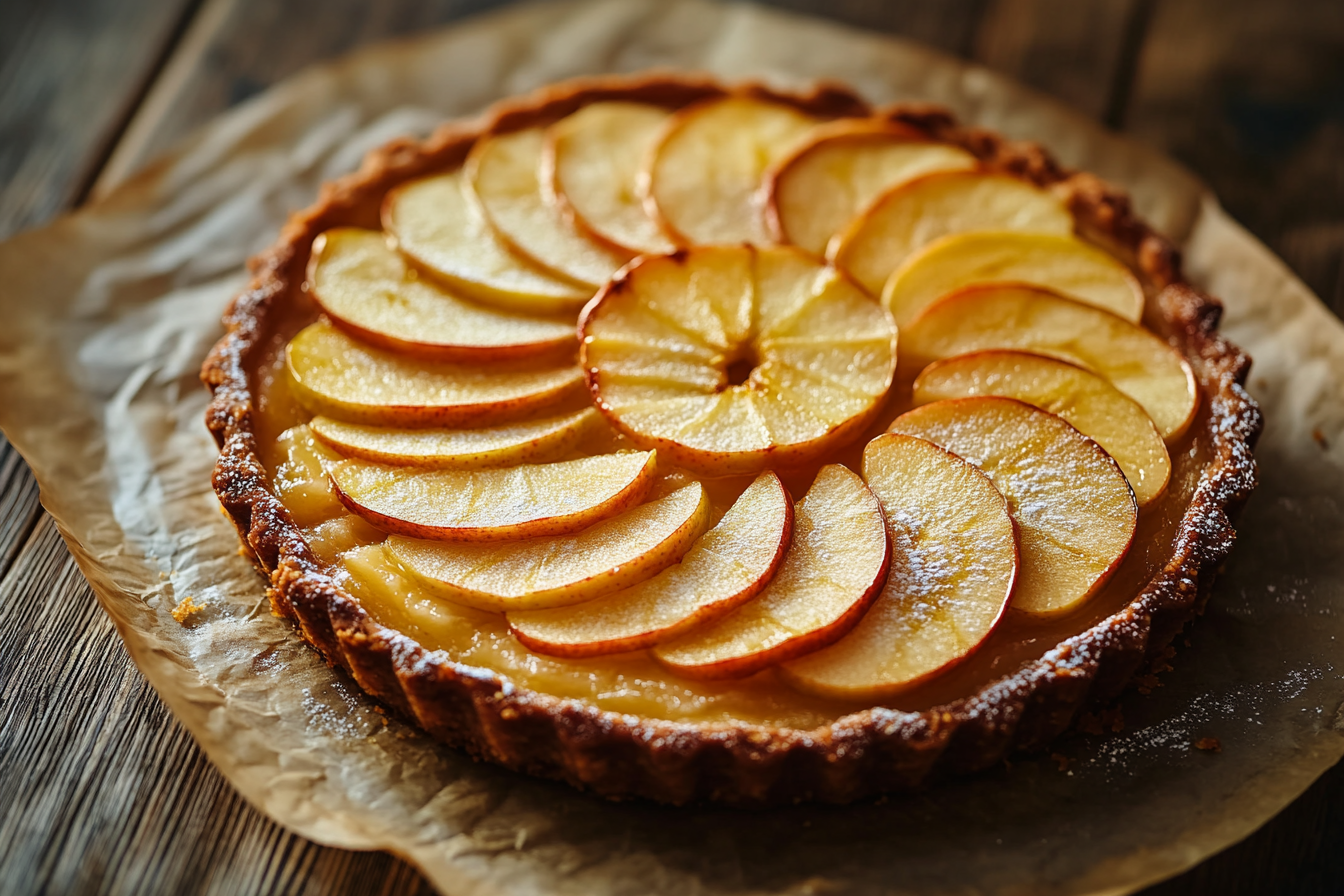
(872, 751)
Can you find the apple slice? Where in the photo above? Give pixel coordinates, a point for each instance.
(559, 570)
(1074, 509)
(702, 180)
(726, 567)
(591, 167)
(813, 193)
(1088, 402)
(731, 358)
(1135, 361)
(365, 287)
(953, 563)
(1064, 264)
(834, 569)
(440, 230)
(914, 214)
(460, 449)
(495, 505)
(504, 172)
(333, 374)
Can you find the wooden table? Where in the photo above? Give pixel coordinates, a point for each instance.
(104, 792)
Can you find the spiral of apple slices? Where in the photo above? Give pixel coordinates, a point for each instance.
(732, 359)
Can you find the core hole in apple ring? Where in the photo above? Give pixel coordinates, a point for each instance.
(733, 359)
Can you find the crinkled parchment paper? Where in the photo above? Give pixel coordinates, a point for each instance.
(107, 315)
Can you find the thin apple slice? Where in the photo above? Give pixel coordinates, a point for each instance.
(911, 215)
(559, 570)
(1088, 402)
(1064, 264)
(726, 567)
(989, 316)
(1074, 509)
(591, 166)
(953, 563)
(495, 505)
(439, 229)
(813, 193)
(458, 449)
(366, 288)
(335, 375)
(834, 569)
(703, 177)
(731, 358)
(504, 172)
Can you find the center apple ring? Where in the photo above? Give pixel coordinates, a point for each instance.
(732, 359)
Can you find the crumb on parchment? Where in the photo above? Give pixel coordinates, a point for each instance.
(186, 609)
(1209, 745)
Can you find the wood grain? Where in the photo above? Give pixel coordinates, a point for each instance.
(1251, 96)
(1080, 53)
(67, 87)
(104, 792)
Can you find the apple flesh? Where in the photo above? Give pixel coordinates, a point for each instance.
(441, 231)
(504, 172)
(1062, 264)
(703, 176)
(1033, 319)
(1074, 509)
(729, 565)
(560, 570)
(953, 563)
(814, 357)
(458, 449)
(494, 505)
(914, 214)
(813, 193)
(366, 288)
(591, 168)
(1087, 401)
(334, 375)
(813, 600)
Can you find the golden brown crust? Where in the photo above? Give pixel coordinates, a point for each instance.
(868, 752)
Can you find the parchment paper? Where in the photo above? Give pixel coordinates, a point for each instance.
(107, 315)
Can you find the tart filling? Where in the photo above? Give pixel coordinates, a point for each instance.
(763, 490)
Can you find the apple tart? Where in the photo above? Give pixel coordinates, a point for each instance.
(705, 442)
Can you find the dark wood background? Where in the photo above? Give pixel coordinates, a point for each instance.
(102, 790)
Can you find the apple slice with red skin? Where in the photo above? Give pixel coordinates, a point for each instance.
(844, 165)
(559, 570)
(495, 505)
(368, 290)
(726, 567)
(702, 180)
(834, 569)
(953, 563)
(1034, 319)
(1074, 509)
(504, 171)
(1087, 401)
(458, 449)
(591, 167)
(335, 375)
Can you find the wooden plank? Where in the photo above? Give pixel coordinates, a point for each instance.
(71, 73)
(1080, 53)
(1251, 96)
(236, 48)
(19, 509)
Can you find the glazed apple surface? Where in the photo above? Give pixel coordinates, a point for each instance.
(533, 529)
